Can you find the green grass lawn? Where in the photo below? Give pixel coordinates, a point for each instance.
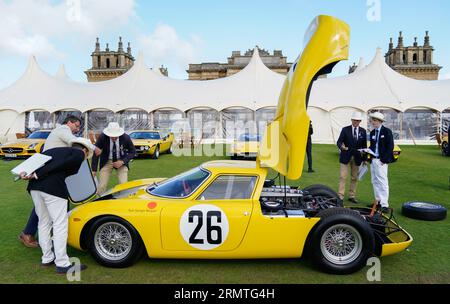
(420, 174)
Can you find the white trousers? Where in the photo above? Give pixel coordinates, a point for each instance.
(380, 182)
(52, 213)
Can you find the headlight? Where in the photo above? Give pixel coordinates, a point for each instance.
(142, 148)
(146, 148)
(32, 146)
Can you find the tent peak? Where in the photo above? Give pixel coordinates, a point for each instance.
(61, 73)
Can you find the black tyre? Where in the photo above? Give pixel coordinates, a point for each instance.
(325, 191)
(444, 146)
(113, 242)
(170, 151)
(424, 211)
(155, 154)
(341, 242)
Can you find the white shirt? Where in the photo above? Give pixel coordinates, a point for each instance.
(60, 137)
(111, 143)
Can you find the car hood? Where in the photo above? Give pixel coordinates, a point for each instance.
(145, 142)
(283, 147)
(132, 188)
(23, 143)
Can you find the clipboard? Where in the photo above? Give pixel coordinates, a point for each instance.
(30, 165)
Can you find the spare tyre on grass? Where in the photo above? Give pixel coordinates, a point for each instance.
(424, 211)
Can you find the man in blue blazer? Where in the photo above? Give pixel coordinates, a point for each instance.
(117, 151)
(352, 138)
(382, 145)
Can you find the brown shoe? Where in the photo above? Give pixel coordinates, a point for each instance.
(28, 240)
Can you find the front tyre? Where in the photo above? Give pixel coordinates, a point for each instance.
(155, 154)
(113, 242)
(341, 242)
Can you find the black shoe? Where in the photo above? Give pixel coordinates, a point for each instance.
(311, 170)
(385, 210)
(64, 270)
(48, 264)
(353, 200)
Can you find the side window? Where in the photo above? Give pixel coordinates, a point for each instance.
(230, 187)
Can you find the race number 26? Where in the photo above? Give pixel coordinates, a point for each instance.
(204, 226)
(210, 228)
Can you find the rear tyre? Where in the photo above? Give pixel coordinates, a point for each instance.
(113, 242)
(341, 242)
(170, 151)
(325, 191)
(155, 154)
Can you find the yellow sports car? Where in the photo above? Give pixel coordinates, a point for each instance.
(230, 210)
(25, 147)
(247, 145)
(151, 143)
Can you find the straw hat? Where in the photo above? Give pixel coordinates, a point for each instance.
(113, 130)
(377, 115)
(84, 142)
(356, 116)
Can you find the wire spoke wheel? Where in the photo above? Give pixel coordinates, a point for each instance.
(341, 244)
(113, 241)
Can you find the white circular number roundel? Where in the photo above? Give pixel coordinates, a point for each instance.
(204, 226)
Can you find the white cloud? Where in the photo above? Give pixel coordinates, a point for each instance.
(164, 45)
(31, 26)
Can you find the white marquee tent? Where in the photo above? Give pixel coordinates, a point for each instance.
(250, 94)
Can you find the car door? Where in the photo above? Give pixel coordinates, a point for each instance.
(216, 219)
(165, 143)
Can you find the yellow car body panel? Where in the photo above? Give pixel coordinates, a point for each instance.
(20, 147)
(164, 143)
(284, 144)
(159, 227)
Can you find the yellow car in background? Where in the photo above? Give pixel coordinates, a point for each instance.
(151, 143)
(25, 147)
(229, 209)
(247, 146)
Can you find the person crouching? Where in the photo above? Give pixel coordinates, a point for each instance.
(49, 192)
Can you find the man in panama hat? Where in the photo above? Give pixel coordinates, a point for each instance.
(117, 151)
(352, 138)
(382, 145)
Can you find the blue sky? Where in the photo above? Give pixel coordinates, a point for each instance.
(175, 33)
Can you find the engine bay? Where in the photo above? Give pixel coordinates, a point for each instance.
(289, 201)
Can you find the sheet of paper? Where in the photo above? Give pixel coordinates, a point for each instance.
(362, 171)
(31, 164)
(367, 150)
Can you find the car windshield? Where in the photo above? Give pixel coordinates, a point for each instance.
(181, 185)
(39, 135)
(145, 135)
(249, 137)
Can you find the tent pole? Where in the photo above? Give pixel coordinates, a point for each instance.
(86, 129)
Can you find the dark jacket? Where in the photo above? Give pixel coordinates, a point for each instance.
(52, 176)
(126, 148)
(385, 145)
(346, 138)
